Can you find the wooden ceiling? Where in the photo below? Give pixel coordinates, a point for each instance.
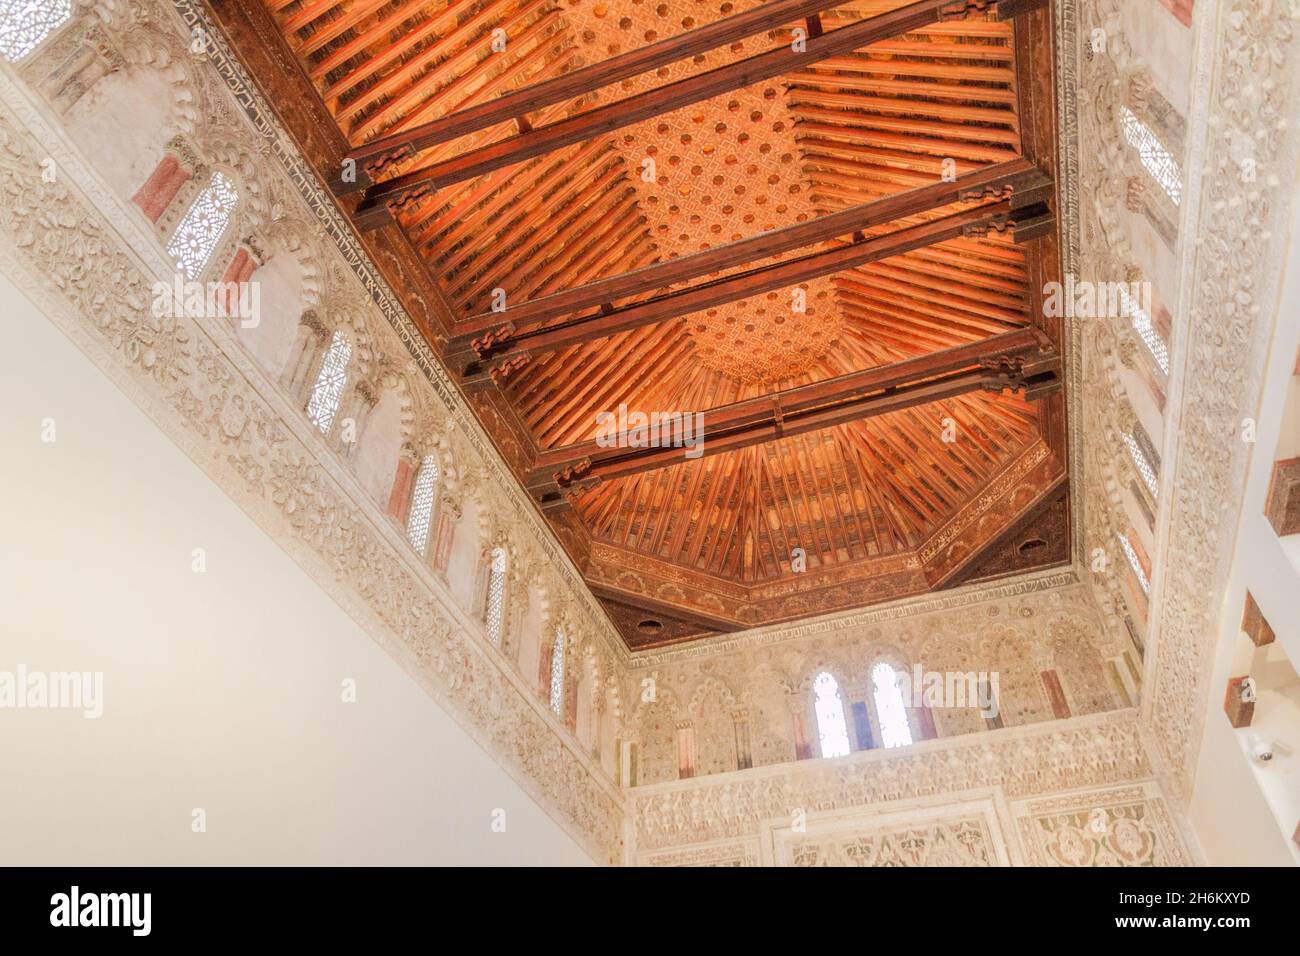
(746, 209)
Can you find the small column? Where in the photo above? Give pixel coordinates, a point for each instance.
(685, 750)
(544, 668)
(597, 724)
(235, 279)
(857, 716)
(627, 762)
(925, 723)
(305, 357)
(744, 755)
(1055, 695)
(399, 498)
(571, 675)
(862, 726)
(361, 402)
(442, 541)
(162, 186)
(798, 723)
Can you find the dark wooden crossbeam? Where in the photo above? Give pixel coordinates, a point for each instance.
(1024, 183)
(376, 208)
(508, 352)
(373, 157)
(1019, 360)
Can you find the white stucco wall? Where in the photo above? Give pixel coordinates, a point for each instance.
(222, 689)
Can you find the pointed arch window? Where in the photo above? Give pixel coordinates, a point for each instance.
(203, 225)
(832, 730)
(1157, 160)
(1138, 571)
(1145, 329)
(328, 390)
(557, 674)
(1138, 445)
(890, 710)
(417, 524)
(24, 24)
(496, 597)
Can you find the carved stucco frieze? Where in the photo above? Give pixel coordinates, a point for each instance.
(86, 254)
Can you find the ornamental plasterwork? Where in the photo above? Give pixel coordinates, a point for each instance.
(1017, 637)
(199, 385)
(1018, 762)
(1122, 826)
(1244, 100)
(831, 624)
(335, 231)
(77, 246)
(960, 833)
(1241, 237)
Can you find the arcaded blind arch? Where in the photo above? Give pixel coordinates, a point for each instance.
(832, 730)
(890, 710)
(557, 674)
(25, 23)
(330, 382)
(496, 595)
(204, 223)
(417, 524)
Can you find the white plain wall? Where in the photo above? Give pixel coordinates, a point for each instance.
(221, 689)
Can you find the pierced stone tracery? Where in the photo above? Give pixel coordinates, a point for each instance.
(24, 24)
(198, 233)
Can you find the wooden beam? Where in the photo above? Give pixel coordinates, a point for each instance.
(1019, 359)
(1017, 179)
(658, 608)
(375, 210)
(373, 157)
(507, 352)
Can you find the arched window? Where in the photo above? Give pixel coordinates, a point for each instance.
(24, 24)
(1135, 441)
(1145, 329)
(557, 674)
(1157, 160)
(417, 525)
(894, 731)
(328, 390)
(203, 226)
(832, 731)
(496, 596)
(1133, 562)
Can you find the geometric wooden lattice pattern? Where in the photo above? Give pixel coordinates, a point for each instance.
(900, 497)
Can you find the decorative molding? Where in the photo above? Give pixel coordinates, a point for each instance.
(1115, 826)
(1019, 762)
(843, 620)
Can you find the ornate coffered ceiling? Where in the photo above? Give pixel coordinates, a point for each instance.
(742, 210)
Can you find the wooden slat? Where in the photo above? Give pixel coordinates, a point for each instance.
(739, 286)
(590, 78)
(812, 407)
(642, 106)
(1016, 173)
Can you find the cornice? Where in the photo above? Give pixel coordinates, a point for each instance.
(968, 596)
